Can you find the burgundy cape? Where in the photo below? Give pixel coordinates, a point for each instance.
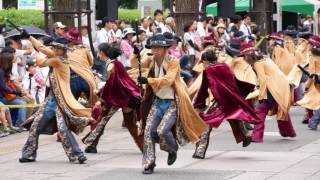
(120, 90)
(220, 79)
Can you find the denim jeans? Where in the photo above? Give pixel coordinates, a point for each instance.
(315, 120)
(79, 85)
(22, 112)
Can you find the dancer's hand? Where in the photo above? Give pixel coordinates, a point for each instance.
(142, 80)
(92, 121)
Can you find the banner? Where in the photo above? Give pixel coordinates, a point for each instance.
(31, 4)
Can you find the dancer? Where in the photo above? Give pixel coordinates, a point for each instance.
(171, 112)
(120, 91)
(228, 104)
(70, 115)
(273, 92)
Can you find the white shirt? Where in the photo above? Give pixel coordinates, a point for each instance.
(2, 41)
(246, 29)
(161, 26)
(189, 36)
(166, 92)
(104, 36)
(200, 29)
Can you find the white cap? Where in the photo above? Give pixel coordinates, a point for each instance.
(59, 25)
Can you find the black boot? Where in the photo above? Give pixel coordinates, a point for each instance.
(25, 160)
(91, 149)
(247, 141)
(149, 170)
(82, 159)
(172, 157)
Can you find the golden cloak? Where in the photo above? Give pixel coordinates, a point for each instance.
(283, 59)
(62, 74)
(192, 123)
(271, 79)
(80, 61)
(311, 99)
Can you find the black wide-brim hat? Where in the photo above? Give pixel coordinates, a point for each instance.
(158, 40)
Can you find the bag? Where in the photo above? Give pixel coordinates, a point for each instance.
(10, 97)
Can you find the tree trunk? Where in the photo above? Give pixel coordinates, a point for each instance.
(186, 11)
(63, 5)
(263, 16)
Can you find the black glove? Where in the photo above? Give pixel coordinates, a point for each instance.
(142, 80)
(136, 50)
(25, 34)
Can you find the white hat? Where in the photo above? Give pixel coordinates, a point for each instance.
(127, 31)
(59, 25)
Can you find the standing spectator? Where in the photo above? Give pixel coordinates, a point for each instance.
(153, 28)
(190, 42)
(236, 23)
(222, 35)
(58, 30)
(106, 34)
(8, 95)
(145, 26)
(245, 26)
(170, 25)
(309, 23)
(202, 26)
(142, 37)
(158, 15)
(126, 47)
(118, 28)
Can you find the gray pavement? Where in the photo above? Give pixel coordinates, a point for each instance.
(120, 159)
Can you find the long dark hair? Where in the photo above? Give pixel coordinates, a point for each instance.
(109, 51)
(253, 57)
(6, 60)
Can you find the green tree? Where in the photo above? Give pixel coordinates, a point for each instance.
(129, 4)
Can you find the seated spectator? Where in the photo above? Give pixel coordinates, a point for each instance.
(8, 91)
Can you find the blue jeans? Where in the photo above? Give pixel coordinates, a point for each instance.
(79, 85)
(22, 112)
(49, 114)
(315, 120)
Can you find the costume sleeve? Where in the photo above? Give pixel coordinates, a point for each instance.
(145, 62)
(168, 79)
(40, 47)
(259, 68)
(44, 62)
(200, 101)
(89, 57)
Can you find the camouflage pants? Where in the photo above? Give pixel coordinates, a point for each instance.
(161, 119)
(69, 143)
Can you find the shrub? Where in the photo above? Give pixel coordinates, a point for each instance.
(129, 15)
(23, 17)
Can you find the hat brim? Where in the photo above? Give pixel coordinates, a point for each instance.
(74, 41)
(59, 45)
(148, 46)
(232, 52)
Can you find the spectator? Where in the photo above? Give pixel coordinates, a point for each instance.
(170, 25)
(190, 42)
(2, 42)
(158, 15)
(245, 26)
(236, 23)
(126, 47)
(35, 82)
(175, 50)
(142, 37)
(201, 27)
(153, 28)
(222, 35)
(145, 26)
(106, 34)
(309, 23)
(118, 28)
(8, 91)
(58, 30)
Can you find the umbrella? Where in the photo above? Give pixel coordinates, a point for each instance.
(34, 31)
